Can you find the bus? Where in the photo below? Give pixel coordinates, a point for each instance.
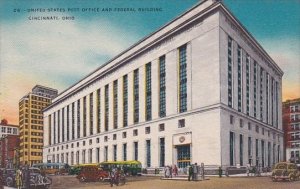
(53, 168)
(131, 167)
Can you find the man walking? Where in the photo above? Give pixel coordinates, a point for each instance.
(190, 171)
(195, 172)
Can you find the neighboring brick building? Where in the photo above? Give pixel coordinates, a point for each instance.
(291, 126)
(9, 145)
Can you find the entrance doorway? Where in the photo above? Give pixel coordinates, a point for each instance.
(183, 155)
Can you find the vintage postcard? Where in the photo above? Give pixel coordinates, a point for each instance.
(150, 94)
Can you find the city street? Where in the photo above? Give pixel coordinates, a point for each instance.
(143, 182)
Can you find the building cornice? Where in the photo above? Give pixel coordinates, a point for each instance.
(116, 63)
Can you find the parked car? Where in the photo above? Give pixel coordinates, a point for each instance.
(285, 171)
(92, 173)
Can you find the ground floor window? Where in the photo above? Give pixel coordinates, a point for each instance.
(98, 155)
(136, 151)
(231, 140)
(183, 156)
(148, 153)
(162, 152)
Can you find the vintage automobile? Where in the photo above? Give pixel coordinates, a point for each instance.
(36, 180)
(285, 171)
(92, 173)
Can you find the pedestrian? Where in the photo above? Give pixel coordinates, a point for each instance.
(220, 171)
(190, 169)
(170, 170)
(175, 170)
(167, 171)
(19, 179)
(195, 172)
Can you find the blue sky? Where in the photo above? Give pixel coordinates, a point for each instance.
(59, 53)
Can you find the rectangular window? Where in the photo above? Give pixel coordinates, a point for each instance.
(272, 100)
(136, 96)
(256, 152)
(248, 84)
(49, 124)
(231, 148)
(78, 118)
(136, 150)
(240, 78)
(106, 153)
(84, 116)
(68, 123)
(230, 78)
(181, 123)
(241, 150)
(162, 152)
(125, 100)
(58, 126)
(125, 152)
(255, 89)
(135, 132)
(267, 97)
(276, 103)
(73, 120)
(91, 113)
(182, 80)
(269, 154)
(54, 128)
(161, 127)
(162, 86)
(98, 111)
(106, 108)
(263, 153)
(250, 150)
(148, 107)
(115, 153)
(98, 155)
(147, 130)
(90, 155)
(148, 153)
(115, 104)
(261, 93)
(63, 125)
(83, 156)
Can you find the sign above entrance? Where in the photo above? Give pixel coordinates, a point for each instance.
(182, 138)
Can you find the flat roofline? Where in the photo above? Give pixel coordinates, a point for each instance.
(41, 86)
(9, 125)
(292, 101)
(215, 4)
(134, 45)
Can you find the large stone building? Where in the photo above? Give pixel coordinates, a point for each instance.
(31, 123)
(200, 89)
(291, 126)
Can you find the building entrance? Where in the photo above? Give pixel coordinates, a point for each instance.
(183, 155)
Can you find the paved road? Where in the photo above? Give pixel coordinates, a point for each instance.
(143, 182)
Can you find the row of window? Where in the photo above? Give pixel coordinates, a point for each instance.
(74, 157)
(268, 87)
(257, 128)
(55, 124)
(9, 130)
(161, 127)
(265, 154)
